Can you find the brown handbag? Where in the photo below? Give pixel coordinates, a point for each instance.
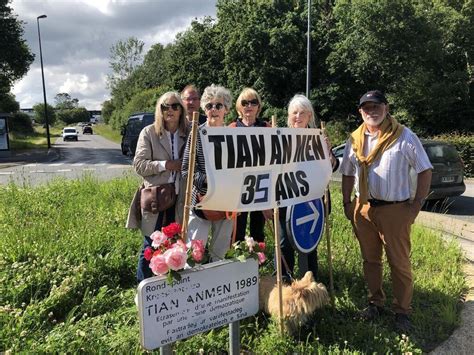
(212, 215)
(156, 199)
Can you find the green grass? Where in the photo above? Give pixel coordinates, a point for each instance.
(35, 140)
(108, 132)
(67, 282)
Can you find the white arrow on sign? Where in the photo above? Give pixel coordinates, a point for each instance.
(314, 216)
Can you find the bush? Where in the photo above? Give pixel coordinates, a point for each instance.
(464, 144)
(144, 101)
(20, 122)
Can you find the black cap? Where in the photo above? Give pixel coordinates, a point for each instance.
(373, 96)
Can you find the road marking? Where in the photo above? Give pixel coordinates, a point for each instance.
(77, 164)
(37, 171)
(118, 166)
(7, 173)
(63, 170)
(56, 164)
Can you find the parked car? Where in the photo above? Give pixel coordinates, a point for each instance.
(87, 130)
(70, 134)
(448, 169)
(132, 129)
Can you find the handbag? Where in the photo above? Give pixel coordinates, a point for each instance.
(156, 199)
(212, 215)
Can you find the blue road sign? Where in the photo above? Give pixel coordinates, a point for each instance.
(305, 224)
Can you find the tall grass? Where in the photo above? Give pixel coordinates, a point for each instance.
(67, 282)
(108, 132)
(35, 140)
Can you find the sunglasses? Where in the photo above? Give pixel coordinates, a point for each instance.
(253, 102)
(165, 107)
(217, 106)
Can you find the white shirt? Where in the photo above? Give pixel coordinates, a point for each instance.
(389, 177)
(175, 156)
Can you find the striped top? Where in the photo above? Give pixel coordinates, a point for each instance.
(199, 180)
(389, 177)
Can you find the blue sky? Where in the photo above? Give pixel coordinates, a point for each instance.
(77, 35)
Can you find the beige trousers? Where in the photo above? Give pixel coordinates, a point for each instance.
(386, 227)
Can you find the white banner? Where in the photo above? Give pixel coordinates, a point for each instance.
(250, 169)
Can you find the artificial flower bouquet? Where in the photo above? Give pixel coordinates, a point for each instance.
(169, 254)
(247, 249)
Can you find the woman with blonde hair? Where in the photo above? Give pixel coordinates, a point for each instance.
(157, 160)
(249, 106)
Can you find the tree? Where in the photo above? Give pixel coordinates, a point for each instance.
(39, 113)
(8, 103)
(15, 55)
(125, 56)
(64, 101)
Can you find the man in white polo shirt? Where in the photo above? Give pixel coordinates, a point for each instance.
(377, 161)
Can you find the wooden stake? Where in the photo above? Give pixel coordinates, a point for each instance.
(190, 177)
(276, 222)
(328, 234)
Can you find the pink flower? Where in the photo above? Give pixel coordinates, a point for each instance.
(250, 243)
(176, 258)
(180, 244)
(172, 229)
(261, 258)
(158, 239)
(148, 253)
(197, 255)
(158, 264)
(261, 245)
(197, 244)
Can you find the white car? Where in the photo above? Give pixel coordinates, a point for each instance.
(70, 134)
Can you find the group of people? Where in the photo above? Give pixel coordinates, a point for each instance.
(377, 160)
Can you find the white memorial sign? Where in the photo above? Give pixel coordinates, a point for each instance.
(205, 298)
(263, 168)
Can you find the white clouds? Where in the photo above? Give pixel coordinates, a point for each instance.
(77, 35)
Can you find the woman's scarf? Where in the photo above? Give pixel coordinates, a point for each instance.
(389, 132)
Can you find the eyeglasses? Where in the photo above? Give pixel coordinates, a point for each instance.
(217, 106)
(175, 107)
(253, 102)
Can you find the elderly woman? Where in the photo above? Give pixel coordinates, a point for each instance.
(216, 102)
(157, 160)
(249, 106)
(300, 115)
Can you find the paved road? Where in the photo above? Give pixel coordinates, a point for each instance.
(91, 154)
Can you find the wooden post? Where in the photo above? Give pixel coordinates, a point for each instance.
(276, 222)
(190, 177)
(328, 234)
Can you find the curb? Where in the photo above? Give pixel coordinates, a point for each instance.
(447, 224)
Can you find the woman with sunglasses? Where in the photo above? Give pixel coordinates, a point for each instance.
(248, 107)
(216, 102)
(300, 115)
(158, 161)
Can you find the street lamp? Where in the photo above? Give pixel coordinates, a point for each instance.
(44, 89)
(308, 53)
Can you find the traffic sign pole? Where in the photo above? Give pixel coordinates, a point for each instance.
(328, 235)
(276, 221)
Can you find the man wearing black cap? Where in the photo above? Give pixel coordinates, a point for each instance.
(377, 160)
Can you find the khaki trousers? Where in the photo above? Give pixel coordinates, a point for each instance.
(386, 227)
